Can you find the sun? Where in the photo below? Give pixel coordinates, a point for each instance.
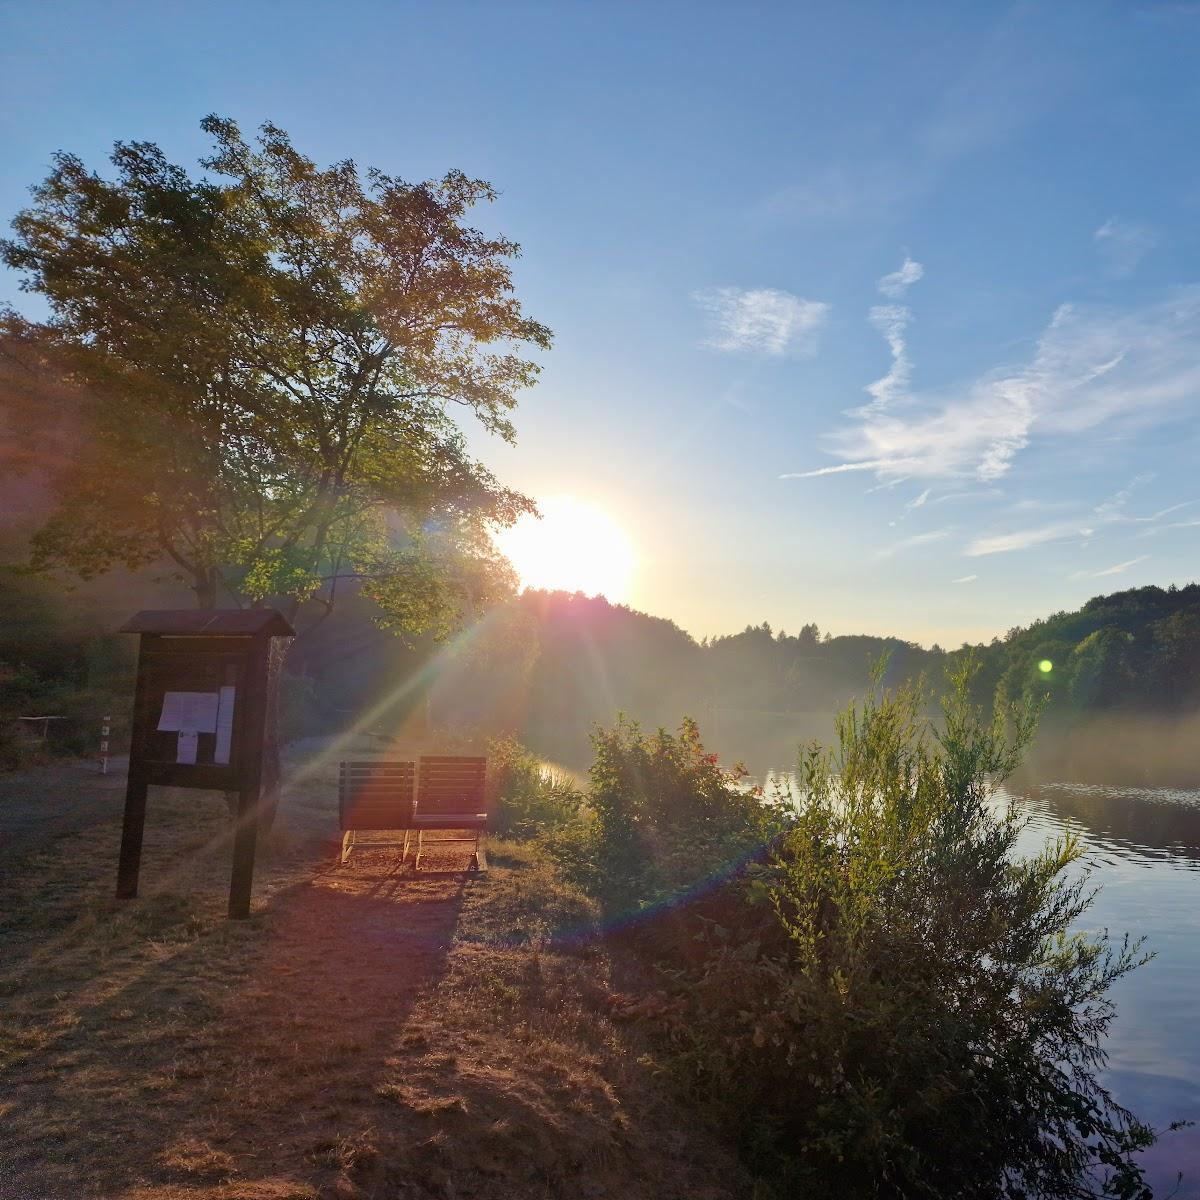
(575, 547)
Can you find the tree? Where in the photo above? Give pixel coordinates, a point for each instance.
(261, 367)
(1100, 674)
(265, 362)
(1173, 661)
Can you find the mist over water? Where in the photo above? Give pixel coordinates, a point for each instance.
(1127, 749)
(1154, 751)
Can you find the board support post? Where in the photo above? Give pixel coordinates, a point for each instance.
(245, 840)
(132, 827)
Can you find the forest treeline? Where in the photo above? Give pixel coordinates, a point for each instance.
(558, 663)
(547, 667)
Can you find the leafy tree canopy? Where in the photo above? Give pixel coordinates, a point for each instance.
(263, 366)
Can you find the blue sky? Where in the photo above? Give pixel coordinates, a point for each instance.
(881, 316)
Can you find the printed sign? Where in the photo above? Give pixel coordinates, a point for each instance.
(195, 712)
(186, 752)
(224, 725)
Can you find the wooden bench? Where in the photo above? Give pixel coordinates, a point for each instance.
(450, 795)
(375, 796)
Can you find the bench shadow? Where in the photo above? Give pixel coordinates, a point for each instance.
(233, 1054)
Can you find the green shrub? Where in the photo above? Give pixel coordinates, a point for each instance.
(668, 819)
(527, 798)
(898, 1005)
(84, 710)
(81, 709)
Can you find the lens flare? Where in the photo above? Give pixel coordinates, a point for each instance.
(1045, 666)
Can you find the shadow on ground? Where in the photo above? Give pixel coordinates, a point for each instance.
(369, 1032)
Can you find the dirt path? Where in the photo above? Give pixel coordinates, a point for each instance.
(367, 1033)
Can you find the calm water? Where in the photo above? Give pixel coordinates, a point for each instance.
(1142, 846)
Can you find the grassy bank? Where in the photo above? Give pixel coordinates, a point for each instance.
(366, 1033)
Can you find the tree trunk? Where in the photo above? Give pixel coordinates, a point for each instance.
(205, 587)
(272, 765)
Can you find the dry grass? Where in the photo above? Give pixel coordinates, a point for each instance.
(367, 1033)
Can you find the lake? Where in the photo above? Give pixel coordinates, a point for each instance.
(1143, 847)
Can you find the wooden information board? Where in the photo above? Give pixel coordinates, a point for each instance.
(205, 685)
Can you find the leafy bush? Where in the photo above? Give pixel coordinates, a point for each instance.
(81, 709)
(84, 710)
(897, 1004)
(668, 819)
(527, 798)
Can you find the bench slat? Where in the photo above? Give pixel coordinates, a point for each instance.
(451, 792)
(376, 794)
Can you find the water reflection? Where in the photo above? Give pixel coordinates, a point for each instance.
(1142, 845)
(1144, 824)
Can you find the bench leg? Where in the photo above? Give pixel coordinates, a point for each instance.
(347, 843)
(404, 852)
(420, 847)
(480, 857)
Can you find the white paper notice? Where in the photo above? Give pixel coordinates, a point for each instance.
(224, 725)
(193, 711)
(187, 746)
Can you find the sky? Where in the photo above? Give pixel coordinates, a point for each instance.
(884, 317)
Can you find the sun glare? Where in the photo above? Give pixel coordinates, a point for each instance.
(575, 547)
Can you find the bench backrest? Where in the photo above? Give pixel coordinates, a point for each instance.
(449, 785)
(376, 795)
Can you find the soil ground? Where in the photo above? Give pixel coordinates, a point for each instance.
(368, 1032)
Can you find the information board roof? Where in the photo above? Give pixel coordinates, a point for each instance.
(226, 622)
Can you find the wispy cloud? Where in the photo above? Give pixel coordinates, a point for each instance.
(975, 494)
(1115, 504)
(1191, 523)
(840, 469)
(918, 501)
(734, 396)
(762, 320)
(1123, 245)
(1113, 570)
(1091, 366)
(1023, 539)
(965, 579)
(1108, 513)
(898, 282)
(909, 543)
(1162, 512)
(1113, 509)
(891, 320)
